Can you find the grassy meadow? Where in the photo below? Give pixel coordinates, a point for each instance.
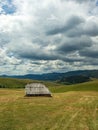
(73, 107)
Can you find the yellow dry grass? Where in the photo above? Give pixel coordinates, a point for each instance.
(64, 111)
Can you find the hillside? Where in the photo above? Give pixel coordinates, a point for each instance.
(87, 86)
(46, 77)
(53, 86)
(74, 79)
(56, 76)
(64, 111)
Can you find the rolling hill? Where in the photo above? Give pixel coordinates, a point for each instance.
(53, 86)
(56, 76)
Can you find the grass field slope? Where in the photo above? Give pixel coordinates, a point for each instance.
(73, 107)
(64, 111)
(53, 86)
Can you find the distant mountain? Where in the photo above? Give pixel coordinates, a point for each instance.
(74, 79)
(89, 73)
(46, 77)
(57, 76)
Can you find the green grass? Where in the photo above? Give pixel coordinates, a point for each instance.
(64, 111)
(14, 83)
(72, 107)
(54, 87)
(87, 86)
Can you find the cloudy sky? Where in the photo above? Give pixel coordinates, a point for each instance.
(41, 36)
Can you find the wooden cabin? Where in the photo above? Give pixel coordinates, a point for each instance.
(37, 89)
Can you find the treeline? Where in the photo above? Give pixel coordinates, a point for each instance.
(2, 86)
(75, 79)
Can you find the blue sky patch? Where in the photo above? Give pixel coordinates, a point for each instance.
(9, 8)
(97, 3)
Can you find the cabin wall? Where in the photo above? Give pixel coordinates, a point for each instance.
(36, 89)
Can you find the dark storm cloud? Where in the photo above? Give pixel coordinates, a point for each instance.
(92, 53)
(71, 60)
(72, 22)
(55, 57)
(75, 44)
(89, 62)
(38, 55)
(91, 30)
(88, 28)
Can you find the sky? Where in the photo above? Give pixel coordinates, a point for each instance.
(45, 36)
